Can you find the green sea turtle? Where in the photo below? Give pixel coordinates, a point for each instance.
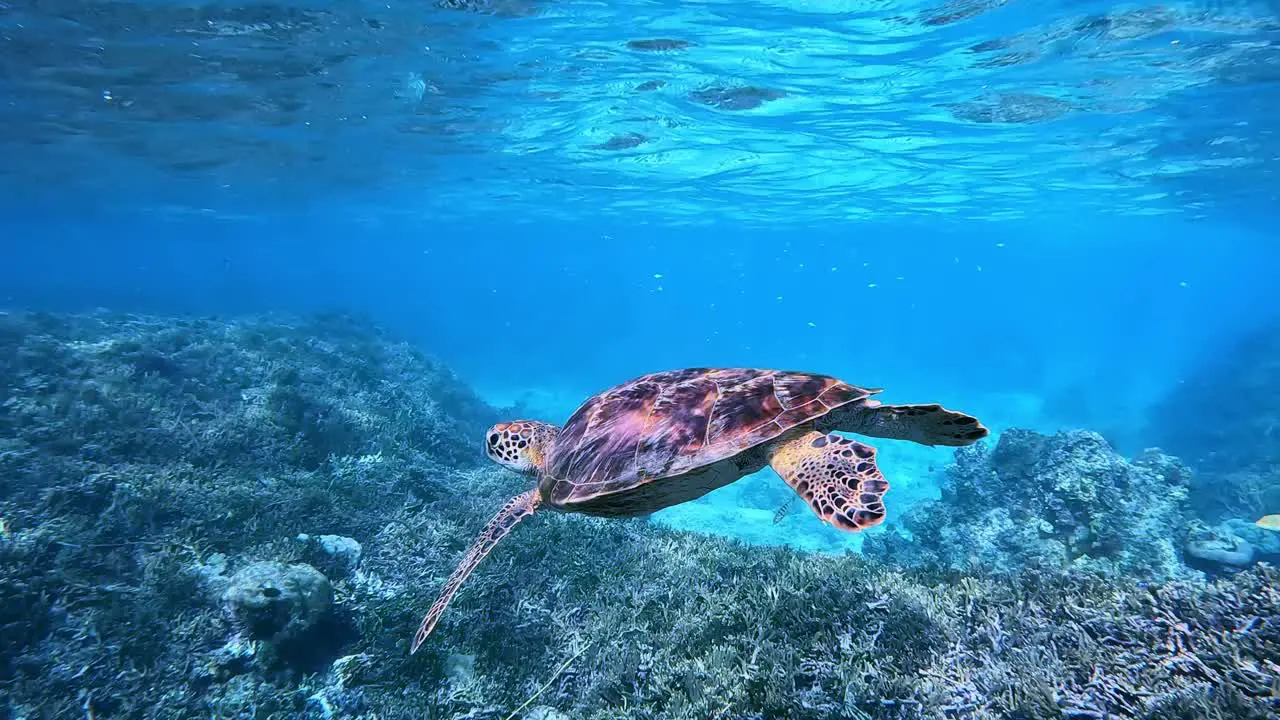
(670, 437)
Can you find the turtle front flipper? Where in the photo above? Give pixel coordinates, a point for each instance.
(517, 509)
(837, 476)
(929, 424)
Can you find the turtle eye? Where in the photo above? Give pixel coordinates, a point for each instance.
(493, 440)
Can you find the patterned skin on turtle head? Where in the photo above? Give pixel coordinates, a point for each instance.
(521, 445)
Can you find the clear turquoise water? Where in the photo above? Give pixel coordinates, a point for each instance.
(1042, 213)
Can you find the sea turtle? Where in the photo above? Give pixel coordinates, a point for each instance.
(670, 437)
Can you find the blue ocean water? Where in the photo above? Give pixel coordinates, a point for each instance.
(220, 497)
(1042, 213)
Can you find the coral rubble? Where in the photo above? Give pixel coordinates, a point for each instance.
(247, 519)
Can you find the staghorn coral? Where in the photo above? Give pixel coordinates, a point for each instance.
(135, 450)
(1049, 503)
(690, 627)
(112, 566)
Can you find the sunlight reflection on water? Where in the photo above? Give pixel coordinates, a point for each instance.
(759, 112)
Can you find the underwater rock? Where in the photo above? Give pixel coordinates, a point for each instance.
(1266, 542)
(336, 556)
(1049, 503)
(331, 703)
(1231, 545)
(272, 601)
(1222, 550)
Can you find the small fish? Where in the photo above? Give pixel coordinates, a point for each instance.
(782, 511)
(1270, 522)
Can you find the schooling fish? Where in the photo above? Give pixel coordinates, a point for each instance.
(782, 511)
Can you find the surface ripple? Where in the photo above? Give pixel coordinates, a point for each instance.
(691, 112)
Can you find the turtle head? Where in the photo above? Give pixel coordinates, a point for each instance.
(522, 445)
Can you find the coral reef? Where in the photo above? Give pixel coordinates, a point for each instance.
(1224, 420)
(149, 469)
(1050, 503)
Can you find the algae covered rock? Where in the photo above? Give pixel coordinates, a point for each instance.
(1229, 551)
(1231, 545)
(1049, 502)
(337, 556)
(272, 601)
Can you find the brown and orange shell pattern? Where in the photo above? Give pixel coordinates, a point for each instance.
(669, 423)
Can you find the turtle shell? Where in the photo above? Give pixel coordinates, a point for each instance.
(670, 423)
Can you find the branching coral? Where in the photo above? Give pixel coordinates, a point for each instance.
(119, 546)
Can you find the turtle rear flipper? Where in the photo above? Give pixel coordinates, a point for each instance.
(517, 509)
(837, 476)
(929, 424)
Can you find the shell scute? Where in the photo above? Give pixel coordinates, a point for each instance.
(744, 408)
(678, 424)
(606, 434)
(798, 390)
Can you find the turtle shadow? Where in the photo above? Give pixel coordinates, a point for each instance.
(316, 649)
